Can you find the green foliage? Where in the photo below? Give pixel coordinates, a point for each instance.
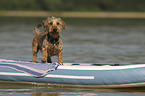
(73, 5)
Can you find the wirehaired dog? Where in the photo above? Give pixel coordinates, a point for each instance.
(49, 42)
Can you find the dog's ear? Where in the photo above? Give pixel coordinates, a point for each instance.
(44, 25)
(63, 24)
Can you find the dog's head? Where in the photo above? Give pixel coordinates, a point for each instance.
(54, 26)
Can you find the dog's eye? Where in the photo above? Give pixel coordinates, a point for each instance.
(50, 23)
(57, 23)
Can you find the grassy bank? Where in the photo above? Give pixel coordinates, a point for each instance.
(73, 14)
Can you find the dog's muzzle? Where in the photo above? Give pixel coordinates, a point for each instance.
(54, 30)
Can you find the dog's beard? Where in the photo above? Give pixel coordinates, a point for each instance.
(54, 35)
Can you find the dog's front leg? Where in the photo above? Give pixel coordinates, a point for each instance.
(60, 57)
(45, 54)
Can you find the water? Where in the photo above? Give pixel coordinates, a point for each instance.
(86, 41)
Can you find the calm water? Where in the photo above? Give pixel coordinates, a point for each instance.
(86, 41)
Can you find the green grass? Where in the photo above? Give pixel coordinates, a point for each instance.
(73, 14)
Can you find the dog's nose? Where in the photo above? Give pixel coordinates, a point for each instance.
(54, 30)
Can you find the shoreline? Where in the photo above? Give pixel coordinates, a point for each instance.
(73, 14)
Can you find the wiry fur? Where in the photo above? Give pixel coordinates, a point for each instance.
(49, 41)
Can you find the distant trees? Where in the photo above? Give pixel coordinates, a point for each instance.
(19, 5)
(73, 5)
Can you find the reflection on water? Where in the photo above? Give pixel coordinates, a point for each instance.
(46, 94)
(86, 41)
(73, 93)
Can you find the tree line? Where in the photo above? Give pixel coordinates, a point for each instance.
(73, 5)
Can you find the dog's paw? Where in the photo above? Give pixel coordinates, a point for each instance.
(35, 61)
(60, 61)
(43, 61)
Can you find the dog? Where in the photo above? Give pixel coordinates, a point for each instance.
(49, 41)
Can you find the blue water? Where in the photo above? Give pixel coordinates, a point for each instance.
(86, 41)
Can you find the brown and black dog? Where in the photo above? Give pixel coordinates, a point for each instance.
(49, 42)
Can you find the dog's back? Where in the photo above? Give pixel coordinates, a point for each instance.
(37, 38)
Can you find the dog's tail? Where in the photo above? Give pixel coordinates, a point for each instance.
(36, 29)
